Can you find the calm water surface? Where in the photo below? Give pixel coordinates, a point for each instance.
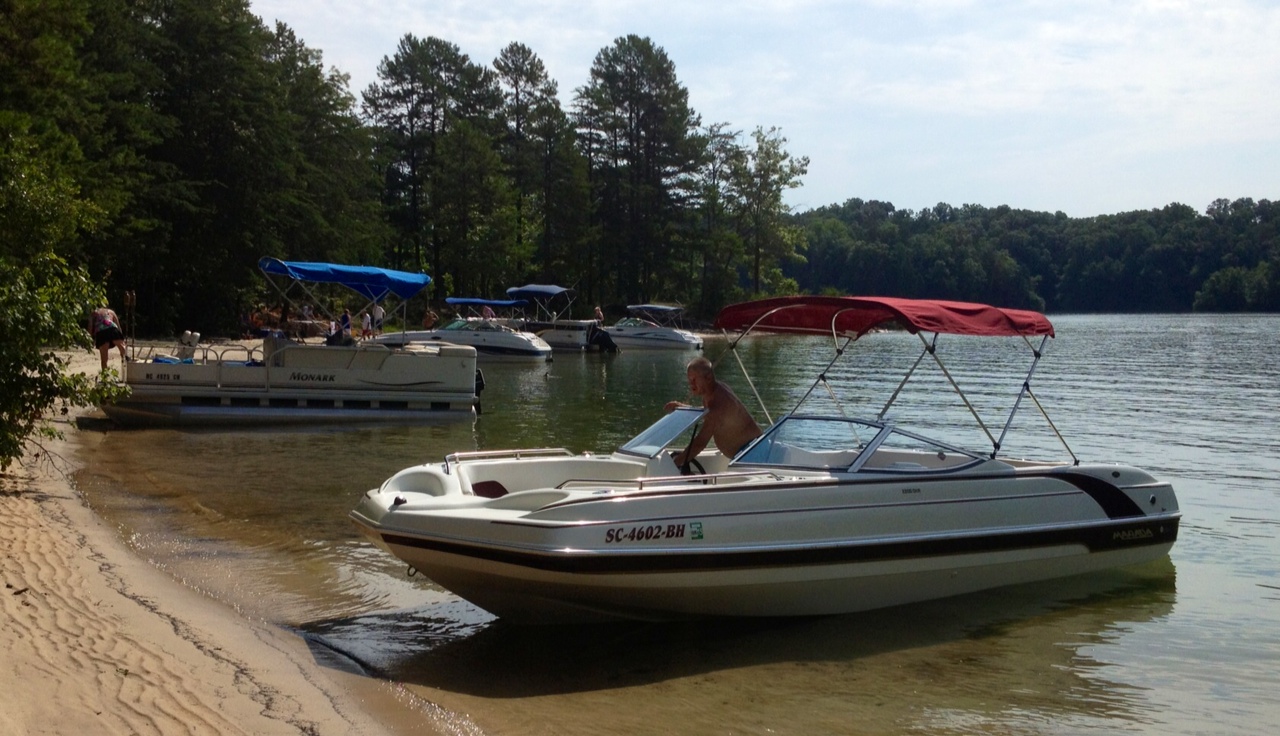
(1190, 645)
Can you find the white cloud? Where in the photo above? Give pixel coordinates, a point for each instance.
(1087, 107)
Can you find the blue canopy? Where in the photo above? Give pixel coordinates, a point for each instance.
(469, 302)
(537, 292)
(373, 282)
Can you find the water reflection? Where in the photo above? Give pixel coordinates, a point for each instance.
(259, 520)
(959, 665)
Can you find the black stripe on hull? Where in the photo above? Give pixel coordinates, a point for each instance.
(1110, 498)
(1100, 538)
(1114, 502)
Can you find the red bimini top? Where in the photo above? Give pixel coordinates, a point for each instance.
(856, 315)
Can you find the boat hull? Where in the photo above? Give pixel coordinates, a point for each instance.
(521, 593)
(760, 545)
(629, 338)
(180, 411)
(491, 347)
(298, 384)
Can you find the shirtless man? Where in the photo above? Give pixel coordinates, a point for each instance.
(726, 420)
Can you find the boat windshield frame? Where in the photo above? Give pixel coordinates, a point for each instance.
(632, 321)
(844, 444)
(656, 437)
(466, 324)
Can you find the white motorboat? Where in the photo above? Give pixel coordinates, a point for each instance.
(493, 339)
(651, 327)
(283, 381)
(551, 304)
(821, 514)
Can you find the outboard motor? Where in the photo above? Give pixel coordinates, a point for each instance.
(601, 340)
(479, 388)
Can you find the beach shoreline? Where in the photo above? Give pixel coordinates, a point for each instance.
(98, 640)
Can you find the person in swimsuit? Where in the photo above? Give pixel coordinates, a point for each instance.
(104, 325)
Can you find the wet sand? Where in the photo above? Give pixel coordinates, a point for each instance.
(96, 640)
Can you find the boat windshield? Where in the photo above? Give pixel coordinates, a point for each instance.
(476, 325)
(811, 442)
(857, 445)
(653, 440)
(634, 322)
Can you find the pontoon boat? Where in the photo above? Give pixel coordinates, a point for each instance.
(284, 381)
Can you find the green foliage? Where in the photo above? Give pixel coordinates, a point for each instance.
(436, 115)
(760, 178)
(193, 139)
(1160, 260)
(640, 138)
(43, 300)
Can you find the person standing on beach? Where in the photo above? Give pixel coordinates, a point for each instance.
(104, 326)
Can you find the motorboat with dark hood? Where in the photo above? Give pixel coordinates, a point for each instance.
(551, 322)
(823, 513)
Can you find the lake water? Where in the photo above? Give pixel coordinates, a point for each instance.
(1190, 645)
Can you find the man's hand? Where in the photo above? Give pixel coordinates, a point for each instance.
(673, 405)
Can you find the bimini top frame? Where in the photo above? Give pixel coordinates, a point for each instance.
(546, 297)
(846, 319)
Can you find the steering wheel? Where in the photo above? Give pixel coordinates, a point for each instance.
(691, 462)
(691, 465)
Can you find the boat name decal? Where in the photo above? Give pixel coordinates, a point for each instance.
(652, 531)
(323, 377)
(1129, 535)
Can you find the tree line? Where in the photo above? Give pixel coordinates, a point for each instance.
(184, 139)
(201, 139)
(1167, 260)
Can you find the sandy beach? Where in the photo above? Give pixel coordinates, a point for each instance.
(97, 641)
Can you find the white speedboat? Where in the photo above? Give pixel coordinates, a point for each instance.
(551, 304)
(284, 381)
(650, 327)
(493, 339)
(821, 514)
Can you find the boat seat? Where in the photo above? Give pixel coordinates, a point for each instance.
(489, 489)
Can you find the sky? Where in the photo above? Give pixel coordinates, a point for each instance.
(1087, 107)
